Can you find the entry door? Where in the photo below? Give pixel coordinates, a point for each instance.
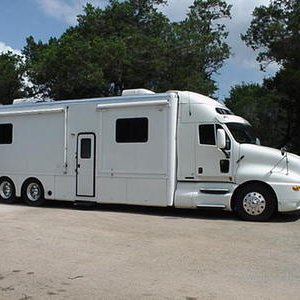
(211, 163)
(85, 165)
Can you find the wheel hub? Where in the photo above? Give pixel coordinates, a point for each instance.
(33, 192)
(5, 190)
(254, 203)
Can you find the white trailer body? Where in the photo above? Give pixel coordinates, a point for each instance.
(105, 150)
(172, 149)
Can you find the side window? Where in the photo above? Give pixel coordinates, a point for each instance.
(207, 134)
(133, 130)
(6, 133)
(85, 148)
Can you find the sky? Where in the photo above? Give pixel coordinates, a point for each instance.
(50, 18)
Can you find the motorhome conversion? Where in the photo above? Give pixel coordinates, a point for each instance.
(178, 149)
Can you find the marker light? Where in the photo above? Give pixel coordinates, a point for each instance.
(296, 188)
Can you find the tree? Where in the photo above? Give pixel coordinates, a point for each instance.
(199, 46)
(261, 108)
(130, 44)
(274, 31)
(11, 82)
(118, 46)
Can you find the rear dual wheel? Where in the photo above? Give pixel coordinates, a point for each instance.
(33, 192)
(7, 191)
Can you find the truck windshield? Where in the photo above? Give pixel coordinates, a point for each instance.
(242, 133)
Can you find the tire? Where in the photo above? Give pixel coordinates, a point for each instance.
(33, 192)
(255, 202)
(7, 191)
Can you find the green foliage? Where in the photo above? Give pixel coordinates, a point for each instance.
(275, 33)
(199, 47)
(262, 109)
(130, 44)
(286, 84)
(11, 73)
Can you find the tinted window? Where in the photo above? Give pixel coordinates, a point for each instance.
(6, 132)
(207, 134)
(223, 111)
(85, 148)
(242, 133)
(132, 130)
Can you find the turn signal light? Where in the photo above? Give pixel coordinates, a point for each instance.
(296, 188)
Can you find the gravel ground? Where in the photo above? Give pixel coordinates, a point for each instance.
(119, 252)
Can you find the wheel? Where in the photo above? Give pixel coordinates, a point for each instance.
(255, 202)
(33, 192)
(7, 191)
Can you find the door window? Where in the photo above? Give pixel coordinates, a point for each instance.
(207, 134)
(85, 148)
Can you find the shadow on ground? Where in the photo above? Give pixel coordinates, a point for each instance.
(165, 212)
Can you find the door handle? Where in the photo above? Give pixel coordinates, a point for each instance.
(78, 166)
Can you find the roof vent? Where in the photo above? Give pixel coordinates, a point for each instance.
(134, 92)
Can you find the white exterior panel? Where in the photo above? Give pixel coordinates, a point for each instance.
(173, 166)
(140, 173)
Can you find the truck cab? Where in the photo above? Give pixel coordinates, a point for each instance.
(221, 164)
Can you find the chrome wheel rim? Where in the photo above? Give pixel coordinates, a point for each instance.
(33, 192)
(6, 190)
(254, 203)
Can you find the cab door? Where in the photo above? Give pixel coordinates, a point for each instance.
(85, 165)
(212, 163)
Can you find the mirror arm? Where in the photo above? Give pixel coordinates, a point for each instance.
(227, 154)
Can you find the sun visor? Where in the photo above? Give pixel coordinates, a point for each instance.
(231, 119)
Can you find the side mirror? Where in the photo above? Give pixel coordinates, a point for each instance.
(221, 139)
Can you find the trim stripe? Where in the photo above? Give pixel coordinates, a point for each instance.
(221, 206)
(32, 112)
(214, 191)
(132, 104)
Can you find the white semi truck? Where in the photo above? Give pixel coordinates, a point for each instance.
(178, 149)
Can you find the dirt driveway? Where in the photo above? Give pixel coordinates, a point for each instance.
(58, 252)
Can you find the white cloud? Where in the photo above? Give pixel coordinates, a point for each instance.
(243, 59)
(242, 66)
(67, 10)
(241, 18)
(5, 48)
(176, 10)
(241, 14)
